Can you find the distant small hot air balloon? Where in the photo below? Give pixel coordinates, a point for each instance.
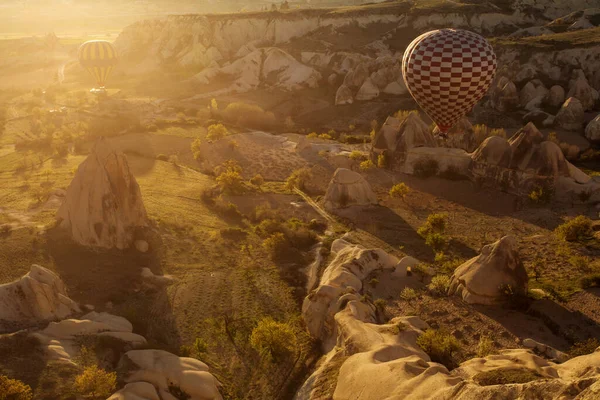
(99, 58)
(447, 72)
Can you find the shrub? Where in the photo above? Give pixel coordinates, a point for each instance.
(230, 182)
(399, 191)
(382, 161)
(86, 357)
(257, 180)
(12, 389)
(590, 280)
(439, 285)
(317, 226)
(357, 156)
(408, 294)
(438, 222)
(216, 132)
(485, 346)
(325, 136)
(249, 115)
(195, 147)
(227, 209)
(439, 345)
(273, 340)
(277, 245)
(582, 348)
(312, 135)
(298, 179)
(366, 165)
(436, 241)
(425, 168)
(579, 262)
(577, 229)
(95, 383)
(506, 376)
(541, 195)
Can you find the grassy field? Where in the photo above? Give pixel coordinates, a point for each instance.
(553, 42)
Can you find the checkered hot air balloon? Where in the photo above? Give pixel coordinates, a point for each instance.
(99, 58)
(447, 72)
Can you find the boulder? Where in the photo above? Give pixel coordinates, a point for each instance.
(571, 115)
(368, 91)
(397, 88)
(485, 278)
(526, 73)
(538, 117)
(592, 130)
(555, 97)
(396, 137)
(582, 91)
(38, 296)
(136, 391)
(163, 369)
(344, 96)
(103, 206)
(156, 280)
(356, 77)
(545, 350)
(348, 188)
(332, 80)
(527, 94)
(142, 246)
(505, 97)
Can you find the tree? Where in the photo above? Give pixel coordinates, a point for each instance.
(272, 339)
(298, 179)
(229, 177)
(196, 145)
(399, 191)
(216, 132)
(12, 389)
(95, 383)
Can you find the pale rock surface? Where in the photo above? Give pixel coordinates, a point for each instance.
(396, 137)
(582, 91)
(286, 72)
(38, 296)
(368, 91)
(527, 94)
(545, 350)
(460, 136)
(570, 115)
(162, 369)
(151, 279)
(527, 73)
(340, 285)
(397, 88)
(357, 77)
(103, 206)
(555, 97)
(348, 188)
(344, 96)
(142, 246)
(592, 131)
(458, 160)
(504, 96)
(136, 391)
(479, 280)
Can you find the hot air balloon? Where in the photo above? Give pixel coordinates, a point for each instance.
(99, 58)
(447, 72)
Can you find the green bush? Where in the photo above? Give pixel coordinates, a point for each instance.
(95, 383)
(440, 346)
(590, 280)
(12, 389)
(399, 191)
(357, 156)
(277, 245)
(231, 182)
(257, 180)
(541, 195)
(420, 270)
(195, 147)
(298, 179)
(436, 241)
(425, 168)
(485, 347)
(382, 161)
(273, 340)
(438, 222)
(366, 165)
(216, 132)
(506, 376)
(577, 229)
(439, 285)
(408, 294)
(249, 115)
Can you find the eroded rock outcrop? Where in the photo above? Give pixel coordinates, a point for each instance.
(348, 188)
(570, 116)
(103, 206)
(164, 370)
(592, 131)
(486, 278)
(38, 296)
(396, 137)
(344, 96)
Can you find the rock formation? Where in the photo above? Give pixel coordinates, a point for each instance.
(555, 97)
(382, 362)
(504, 95)
(348, 188)
(521, 162)
(38, 296)
(582, 91)
(592, 131)
(344, 96)
(103, 205)
(368, 91)
(570, 115)
(460, 136)
(485, 278)
(162, 369)
(396, 137)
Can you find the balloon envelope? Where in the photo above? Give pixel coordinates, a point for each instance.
(447, 72)
(99, 58)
